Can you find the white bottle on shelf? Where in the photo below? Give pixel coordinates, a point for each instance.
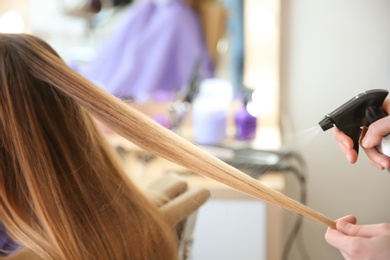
(210, 111)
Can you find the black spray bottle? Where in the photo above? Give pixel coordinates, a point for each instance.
(362, 110)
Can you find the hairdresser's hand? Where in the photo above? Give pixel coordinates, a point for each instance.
(346, 145)
(357, 242)
(370, 138)
(373, 136)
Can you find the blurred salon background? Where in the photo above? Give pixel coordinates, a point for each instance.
(234, 74)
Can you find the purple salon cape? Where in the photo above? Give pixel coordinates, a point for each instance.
(152, 53)
(7, 245)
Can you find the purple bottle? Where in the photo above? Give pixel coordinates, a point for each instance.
(246, 124)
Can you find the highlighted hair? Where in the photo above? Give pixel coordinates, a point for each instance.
(60, 187)
(62, 192)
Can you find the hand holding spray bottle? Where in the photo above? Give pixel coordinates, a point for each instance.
(360, 111)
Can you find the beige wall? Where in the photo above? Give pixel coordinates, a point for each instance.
(332, 50)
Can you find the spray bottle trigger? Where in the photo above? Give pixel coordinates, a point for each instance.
(373, 114)
(354, 134)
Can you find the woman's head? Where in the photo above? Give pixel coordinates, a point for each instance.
(61, 191)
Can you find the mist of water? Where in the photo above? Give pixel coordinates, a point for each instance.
(303, 137)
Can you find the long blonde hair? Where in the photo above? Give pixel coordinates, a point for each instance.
(62, 193)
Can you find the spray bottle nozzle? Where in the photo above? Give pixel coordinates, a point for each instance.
(326, 123)
(362, 110)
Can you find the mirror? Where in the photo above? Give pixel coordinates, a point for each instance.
(246, 54)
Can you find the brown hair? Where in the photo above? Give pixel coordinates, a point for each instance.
(62, 193)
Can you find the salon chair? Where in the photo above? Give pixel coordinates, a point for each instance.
(178, 203)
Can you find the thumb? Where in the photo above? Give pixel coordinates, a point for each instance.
(358, 230)
(347, 228)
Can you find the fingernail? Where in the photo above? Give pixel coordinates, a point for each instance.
(342, 225)
(365, 142)
(384, 165)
